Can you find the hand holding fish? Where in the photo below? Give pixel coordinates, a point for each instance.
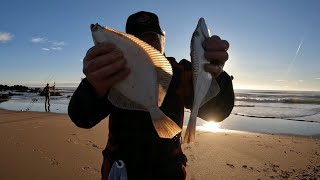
(215, 51)
(104, 66)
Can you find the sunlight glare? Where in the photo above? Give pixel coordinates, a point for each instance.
(211, 126)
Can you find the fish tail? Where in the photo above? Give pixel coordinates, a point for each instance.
(165, 127)
(190, 134)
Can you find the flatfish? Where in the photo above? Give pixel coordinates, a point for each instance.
(145, 87)
(204, 86)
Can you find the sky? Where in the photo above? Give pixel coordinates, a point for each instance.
(274, 44)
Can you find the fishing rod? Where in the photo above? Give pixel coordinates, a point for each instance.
(33, 100)
(31, 104)
(54, 90)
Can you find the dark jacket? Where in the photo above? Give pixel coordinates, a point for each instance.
(132, 136)
(45, 91)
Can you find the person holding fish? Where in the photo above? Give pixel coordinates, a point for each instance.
(141, 134)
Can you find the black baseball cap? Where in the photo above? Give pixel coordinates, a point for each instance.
(141, 22)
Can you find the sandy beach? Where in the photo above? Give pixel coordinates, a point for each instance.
(38, 145)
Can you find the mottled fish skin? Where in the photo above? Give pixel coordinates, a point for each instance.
(205, 87)
(145, 87)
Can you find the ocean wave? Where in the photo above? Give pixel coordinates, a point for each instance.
(277, 117)
(243, 105)
(301, 101)
(285, 97)
(280, 100)
(252, 115)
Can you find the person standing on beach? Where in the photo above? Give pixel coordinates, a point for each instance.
(132, 137)
(46, 92)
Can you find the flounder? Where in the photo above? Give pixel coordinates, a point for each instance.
(204, 86)
(145, 87)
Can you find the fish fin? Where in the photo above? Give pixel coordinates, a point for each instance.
(165, 127)
(163, 66)
(190, 134)
(158, 59)
(120, 101)
(213, 91)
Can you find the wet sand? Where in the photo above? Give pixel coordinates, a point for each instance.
(36, 145)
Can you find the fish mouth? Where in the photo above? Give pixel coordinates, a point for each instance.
(94, 27)
(204, 29)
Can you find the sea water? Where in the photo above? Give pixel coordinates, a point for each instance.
(33, 102)
(279, 112)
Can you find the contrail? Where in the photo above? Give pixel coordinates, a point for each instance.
(295, 56)
(299, 46)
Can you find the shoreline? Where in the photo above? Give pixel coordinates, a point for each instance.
(316, 136)
(60, 150)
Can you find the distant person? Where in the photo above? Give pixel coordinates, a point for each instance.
(46, 92)
(132, 137)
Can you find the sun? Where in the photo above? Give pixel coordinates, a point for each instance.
(210, 126)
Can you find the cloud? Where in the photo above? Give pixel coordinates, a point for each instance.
(300, 80)
(38, 40)
(56, 48)
(58, 43)
(318, 78)
(52, 48)
(5, 37)
(51, 45)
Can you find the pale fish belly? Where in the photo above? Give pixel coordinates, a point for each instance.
(202, 80)
(145, 88)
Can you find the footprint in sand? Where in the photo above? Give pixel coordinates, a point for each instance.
(230, 165)
(192, 157)
(90, 169)
(19, 143)
(90, 143)
(96, 146)
(297, 152)
(38, 150)
(71, 141)
(249, 168)
(52, 161)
